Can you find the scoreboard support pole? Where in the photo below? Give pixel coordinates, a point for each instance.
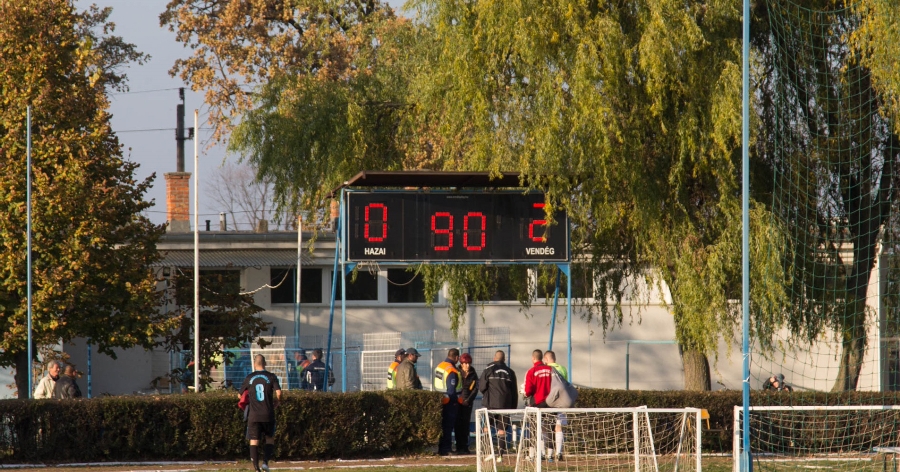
(346, 266)
(563, 269)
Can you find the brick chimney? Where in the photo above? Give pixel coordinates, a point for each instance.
(178, 186)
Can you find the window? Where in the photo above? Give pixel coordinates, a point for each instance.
(365, 287)
(222, 282)
(310, 285)
(507, 283)
(582, 284)
(406, 287)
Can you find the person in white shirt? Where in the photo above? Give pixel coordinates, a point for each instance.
(47, 384)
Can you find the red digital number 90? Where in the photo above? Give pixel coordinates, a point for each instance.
(474, 226)
(382, 222)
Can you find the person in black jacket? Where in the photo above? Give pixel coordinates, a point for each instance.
(499, 388)
(313, 376)
(469, 384)
(65, 387)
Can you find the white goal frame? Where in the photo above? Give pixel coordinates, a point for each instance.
(640, 418)
(737, 437)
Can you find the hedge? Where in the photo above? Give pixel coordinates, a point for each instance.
(210, 426)
(720, 405)
(310, 425)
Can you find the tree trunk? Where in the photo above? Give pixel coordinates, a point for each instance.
(853, 349)
(696, 370)
(21, 376)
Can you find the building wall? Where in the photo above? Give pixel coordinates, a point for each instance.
(598, 358)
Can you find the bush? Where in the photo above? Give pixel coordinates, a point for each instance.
(720, 405)
(210, 426)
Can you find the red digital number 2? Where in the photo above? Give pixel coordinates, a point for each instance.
(448, 230)
(383, 220)
(537, 239)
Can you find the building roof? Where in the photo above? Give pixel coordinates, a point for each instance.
(427, 178)
(233, 258)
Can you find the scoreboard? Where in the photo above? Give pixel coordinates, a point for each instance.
(404, 226)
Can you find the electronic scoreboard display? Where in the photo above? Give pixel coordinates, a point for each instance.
(411, 226)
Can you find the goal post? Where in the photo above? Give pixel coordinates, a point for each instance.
(605, 439)
(848, 437)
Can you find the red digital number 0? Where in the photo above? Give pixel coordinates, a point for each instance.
(448, 230)
(367, 233)
(537, 239)
(466, 219)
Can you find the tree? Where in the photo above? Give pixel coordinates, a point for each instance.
(322, 54)
(236, 190)
(627, 116)
(228, 319)
(91, 247)
(827, 132)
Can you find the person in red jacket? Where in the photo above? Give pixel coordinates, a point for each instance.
(537, 381)
(537, 388)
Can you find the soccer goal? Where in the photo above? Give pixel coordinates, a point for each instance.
(846, 438)
(592, 439)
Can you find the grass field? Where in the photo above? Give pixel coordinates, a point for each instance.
(872, 462)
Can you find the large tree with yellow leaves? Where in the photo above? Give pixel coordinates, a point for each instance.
(91, 245)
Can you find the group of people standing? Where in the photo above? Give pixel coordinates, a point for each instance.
(460, 385)
(59, 383)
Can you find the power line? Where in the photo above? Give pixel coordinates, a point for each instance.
(154, 129)
(146, 91)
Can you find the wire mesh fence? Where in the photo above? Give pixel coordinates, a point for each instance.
(368, 357)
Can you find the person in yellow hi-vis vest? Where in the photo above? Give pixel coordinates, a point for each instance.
(446, 379)
(392, 369)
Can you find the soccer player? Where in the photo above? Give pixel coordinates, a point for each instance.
(550, 360)
(264, 395)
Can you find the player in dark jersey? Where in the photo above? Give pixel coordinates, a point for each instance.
(264, 394)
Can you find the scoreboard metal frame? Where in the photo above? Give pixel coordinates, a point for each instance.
(405, 227)
(493, 227)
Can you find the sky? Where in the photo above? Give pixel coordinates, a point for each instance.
(144, 118)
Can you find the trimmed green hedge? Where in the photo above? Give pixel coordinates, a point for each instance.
(720, 405)
(210, 426)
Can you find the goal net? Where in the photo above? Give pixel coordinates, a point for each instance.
(588, 439)
(846, 438)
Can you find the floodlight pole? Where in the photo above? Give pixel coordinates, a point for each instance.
(746, 461)
(28, 247)
(297, 296)
(196, 258)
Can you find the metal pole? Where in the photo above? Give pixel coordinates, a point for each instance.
(553, 316)
(334, 275)
(569, 321)
(89, 368)
(343, 302)
(196, 256)
(28, 247)
(297, 296)
(627, 363)
(746, 461)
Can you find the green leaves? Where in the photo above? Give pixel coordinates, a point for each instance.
(91, 245)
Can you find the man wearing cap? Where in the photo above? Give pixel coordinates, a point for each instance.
(392, 369)
(776, 383)
(406, 377)
(446, 380)
(468, 382)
